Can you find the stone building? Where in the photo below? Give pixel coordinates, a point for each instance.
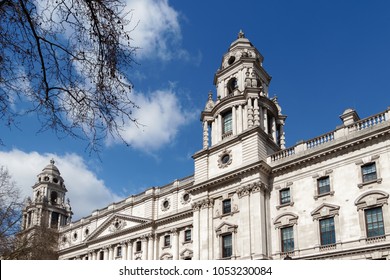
(250, 197)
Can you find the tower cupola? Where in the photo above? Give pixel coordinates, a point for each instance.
(242, 99)
(48, 206)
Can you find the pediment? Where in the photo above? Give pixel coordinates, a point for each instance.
(186, 253)
(286, 219)
(225, 228)
(371, 198)
(325, 210)
(116, 224)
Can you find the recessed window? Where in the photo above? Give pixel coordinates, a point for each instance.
(187, 235)
(53, 197)
(323, 185)
(119, 251)
(55, 180)
(227, 122)
(138, 246)
(167, 240)
(285, 196)
(226, 206)
(369, 172)
(374, 222)
(101, 255)
(227, 246)
(287, 238)
(75, 236)
(232, 85)
(86, 232)
(186, 197)
(327, 231)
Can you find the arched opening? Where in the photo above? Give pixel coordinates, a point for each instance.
(232, 85)
(53, 197)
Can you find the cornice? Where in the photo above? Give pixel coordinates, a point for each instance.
(344, 145)
(231, 176)
(236, 138)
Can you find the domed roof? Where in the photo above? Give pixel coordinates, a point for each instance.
(51, 169)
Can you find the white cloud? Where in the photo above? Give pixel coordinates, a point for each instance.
(85, 191)
(158, 33)
(160, 115)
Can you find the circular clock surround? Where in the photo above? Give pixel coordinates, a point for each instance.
(225, 159)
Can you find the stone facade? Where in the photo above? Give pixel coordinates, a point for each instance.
(251, 197)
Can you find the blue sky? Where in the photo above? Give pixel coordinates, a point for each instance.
(323, 56)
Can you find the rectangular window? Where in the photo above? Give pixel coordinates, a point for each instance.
(167, 240)
(374, 222)
(119, 251)
(285, 196)
(138, 246)
(101, 255)
(287, 234)
(369, 172)
(227, 123)
(227, 206)
(187, 235)
(227, 246)
(327, 231)
(323, 185)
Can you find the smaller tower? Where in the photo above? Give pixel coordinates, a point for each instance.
(48, 206)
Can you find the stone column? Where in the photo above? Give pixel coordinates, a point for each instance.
(213, 132)
(105, 250)
(256, 118)
(111, 253)
(219, 128)
(250, 112)
(234, 121)
(239, 119)
(129, 250)
(196, 230)
(274, 129)
(282, 139)
(265, 118)
(205, 135)
(150, 247)
(245, 250)
(175, 244)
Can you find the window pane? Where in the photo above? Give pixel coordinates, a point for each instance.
(369, 172)
(374, 222)
(227, 122)
(327, 231)
(285, 196)
(226, 206)
(323, 185)
(187, 235)
(227, 247)
(287, 239)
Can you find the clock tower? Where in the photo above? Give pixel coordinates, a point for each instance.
(242, 125)
(48, 206)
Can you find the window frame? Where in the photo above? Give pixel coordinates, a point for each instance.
(329, 234)
(227, 122)
(281, 197)
(226, 209)
(223, 248)
(319, 186)
(186, 239)
(138, 246)
(376, 222)
(167, 240)
(290, 241)
(369, 176)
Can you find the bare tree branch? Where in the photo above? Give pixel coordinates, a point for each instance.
(68, 62)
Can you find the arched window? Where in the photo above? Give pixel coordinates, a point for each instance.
(53, 197)
(232, 85)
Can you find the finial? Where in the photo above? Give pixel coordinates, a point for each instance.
(52, 161)
(241, 34)
(210, 95)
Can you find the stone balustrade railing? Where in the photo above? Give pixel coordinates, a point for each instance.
(331, 136)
